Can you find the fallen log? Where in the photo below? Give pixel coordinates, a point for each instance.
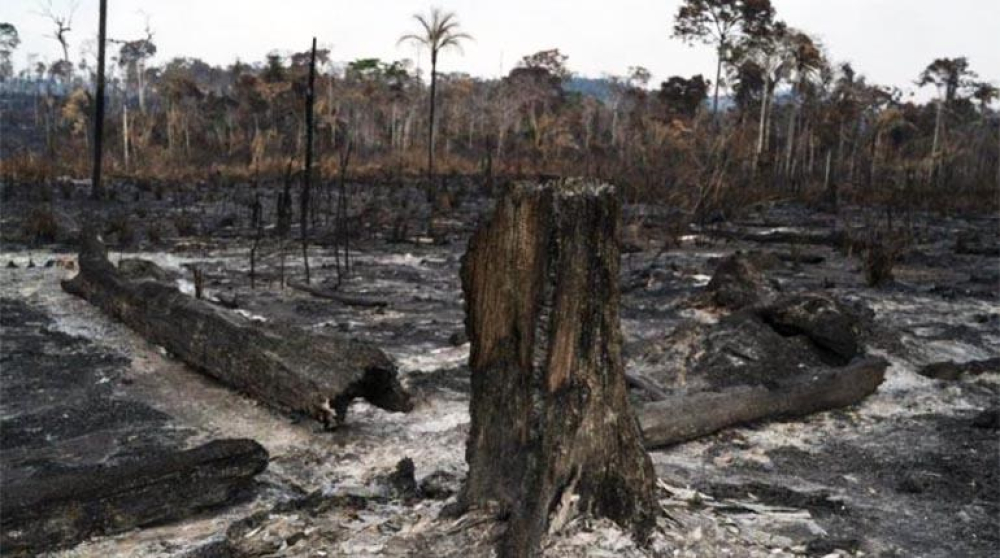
(231, 302)
(950, 370)
(834, 239)
(654, 390)
(801, 258)
(346, 300)
(62, 508)
(287, 368)
(680, 418)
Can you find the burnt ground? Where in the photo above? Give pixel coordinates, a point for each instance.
(911, 471)
(59, 408)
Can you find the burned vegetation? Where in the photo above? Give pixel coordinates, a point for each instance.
(305, 310)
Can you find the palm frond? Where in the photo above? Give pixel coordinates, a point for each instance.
(439, 30)
(412, 38)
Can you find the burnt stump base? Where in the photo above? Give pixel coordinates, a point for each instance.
(552, 432)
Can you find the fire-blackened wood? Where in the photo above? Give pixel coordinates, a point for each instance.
(552, 431)
(346, 300)
(287, 368)
(685, 417)
(61, 509)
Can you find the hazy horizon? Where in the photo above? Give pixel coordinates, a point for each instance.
(889, 41)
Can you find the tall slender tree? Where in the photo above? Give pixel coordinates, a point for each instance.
(9, 40)
(948, 75)
(63, 24)
(439, 31)
(721, 23)
(97, 189)
(307, 171)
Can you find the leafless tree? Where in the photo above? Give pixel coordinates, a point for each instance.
(63, 22)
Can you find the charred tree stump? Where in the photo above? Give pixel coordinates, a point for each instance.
(552, 431)
(286, 368)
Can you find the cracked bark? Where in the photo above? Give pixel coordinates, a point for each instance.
(552, 431)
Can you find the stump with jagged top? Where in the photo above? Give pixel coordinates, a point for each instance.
(552, 432)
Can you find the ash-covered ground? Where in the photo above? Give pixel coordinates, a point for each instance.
(914, 470)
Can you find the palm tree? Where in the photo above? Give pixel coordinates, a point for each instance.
(439, 31)
(948, 74)
(723, 23)
(807, 63)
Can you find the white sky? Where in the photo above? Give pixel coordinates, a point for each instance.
(889, 41)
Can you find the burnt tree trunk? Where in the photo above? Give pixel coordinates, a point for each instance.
(287, 368)
(552, 431)
(307, 171)
(96, 187)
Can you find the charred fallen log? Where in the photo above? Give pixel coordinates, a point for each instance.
(61, 509)
(835, 239)
(346, 300)
(552, 432)
(738, 282)
(287, 368)
(773, 356)
(950, 370)
(680, 418)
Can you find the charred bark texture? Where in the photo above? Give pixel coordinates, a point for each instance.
(62, 509)
(286, 368)
(685, 417)
(346, 300)
(552, 431)
(834, 239)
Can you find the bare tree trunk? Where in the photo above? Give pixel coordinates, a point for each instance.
(430, 123)
(142, 86)
(342, 236)
(125, 136)
(873, 172)
(718, 77)
(790, 140)
(552, 431)
(761, 134)
(937, 131)
(257, 222)
(307, 178)
(96, 188)
(828, 185)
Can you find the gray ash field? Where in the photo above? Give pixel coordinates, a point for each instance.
(912, 470)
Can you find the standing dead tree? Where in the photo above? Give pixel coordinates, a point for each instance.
(552, 431)
(97, 189)
(283, 207)
(307, 170)
(257, 223)
(63, 25)
(343, 235)
(284, 219)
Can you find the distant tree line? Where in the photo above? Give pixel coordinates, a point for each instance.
(793, 123)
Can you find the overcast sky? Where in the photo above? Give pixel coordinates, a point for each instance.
(890, 41)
